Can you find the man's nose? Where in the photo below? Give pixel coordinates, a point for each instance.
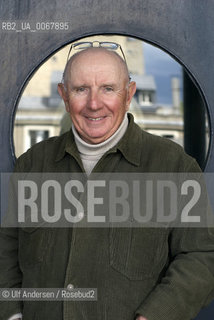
(94, 101)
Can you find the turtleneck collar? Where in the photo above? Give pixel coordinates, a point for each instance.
(91, 153)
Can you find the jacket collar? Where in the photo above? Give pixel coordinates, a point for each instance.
(130, 142)
(128, 145)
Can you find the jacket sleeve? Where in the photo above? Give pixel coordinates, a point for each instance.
(10, 274)
(188, 284)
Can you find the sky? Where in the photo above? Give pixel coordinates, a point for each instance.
(162, 66)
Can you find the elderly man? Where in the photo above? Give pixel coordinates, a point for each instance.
(154, 274)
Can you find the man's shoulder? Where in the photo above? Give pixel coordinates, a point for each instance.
(160, 143)
(51, 145)
(42, 152)
(166, 154)
(153, 143)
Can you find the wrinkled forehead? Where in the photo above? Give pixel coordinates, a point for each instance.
(96, 57)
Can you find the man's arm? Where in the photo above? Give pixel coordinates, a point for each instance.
(17, 316)
(10, 274)
(188, 284)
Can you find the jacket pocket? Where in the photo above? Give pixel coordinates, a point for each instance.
(138, 253)
(33, 245)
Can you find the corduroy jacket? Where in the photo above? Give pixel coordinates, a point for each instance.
(160, 273)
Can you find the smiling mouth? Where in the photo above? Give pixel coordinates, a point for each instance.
(95, 119)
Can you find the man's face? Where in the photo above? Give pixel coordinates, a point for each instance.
(97, 96)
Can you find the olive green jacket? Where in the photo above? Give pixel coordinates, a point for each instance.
(160, 273)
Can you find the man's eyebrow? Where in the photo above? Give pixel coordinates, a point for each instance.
(78, 85)
(104, 84)
(109, 84)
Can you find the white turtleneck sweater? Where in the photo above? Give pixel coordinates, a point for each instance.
(91, 153)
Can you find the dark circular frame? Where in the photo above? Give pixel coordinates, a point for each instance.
(167, 51)
(184, 29)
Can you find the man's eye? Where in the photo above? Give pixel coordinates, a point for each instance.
(108, 89)
(81, 89)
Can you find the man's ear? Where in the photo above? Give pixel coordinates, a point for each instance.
(131, 92)
(63, 94)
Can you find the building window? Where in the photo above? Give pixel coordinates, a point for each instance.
(37, 136)
(29, 135)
